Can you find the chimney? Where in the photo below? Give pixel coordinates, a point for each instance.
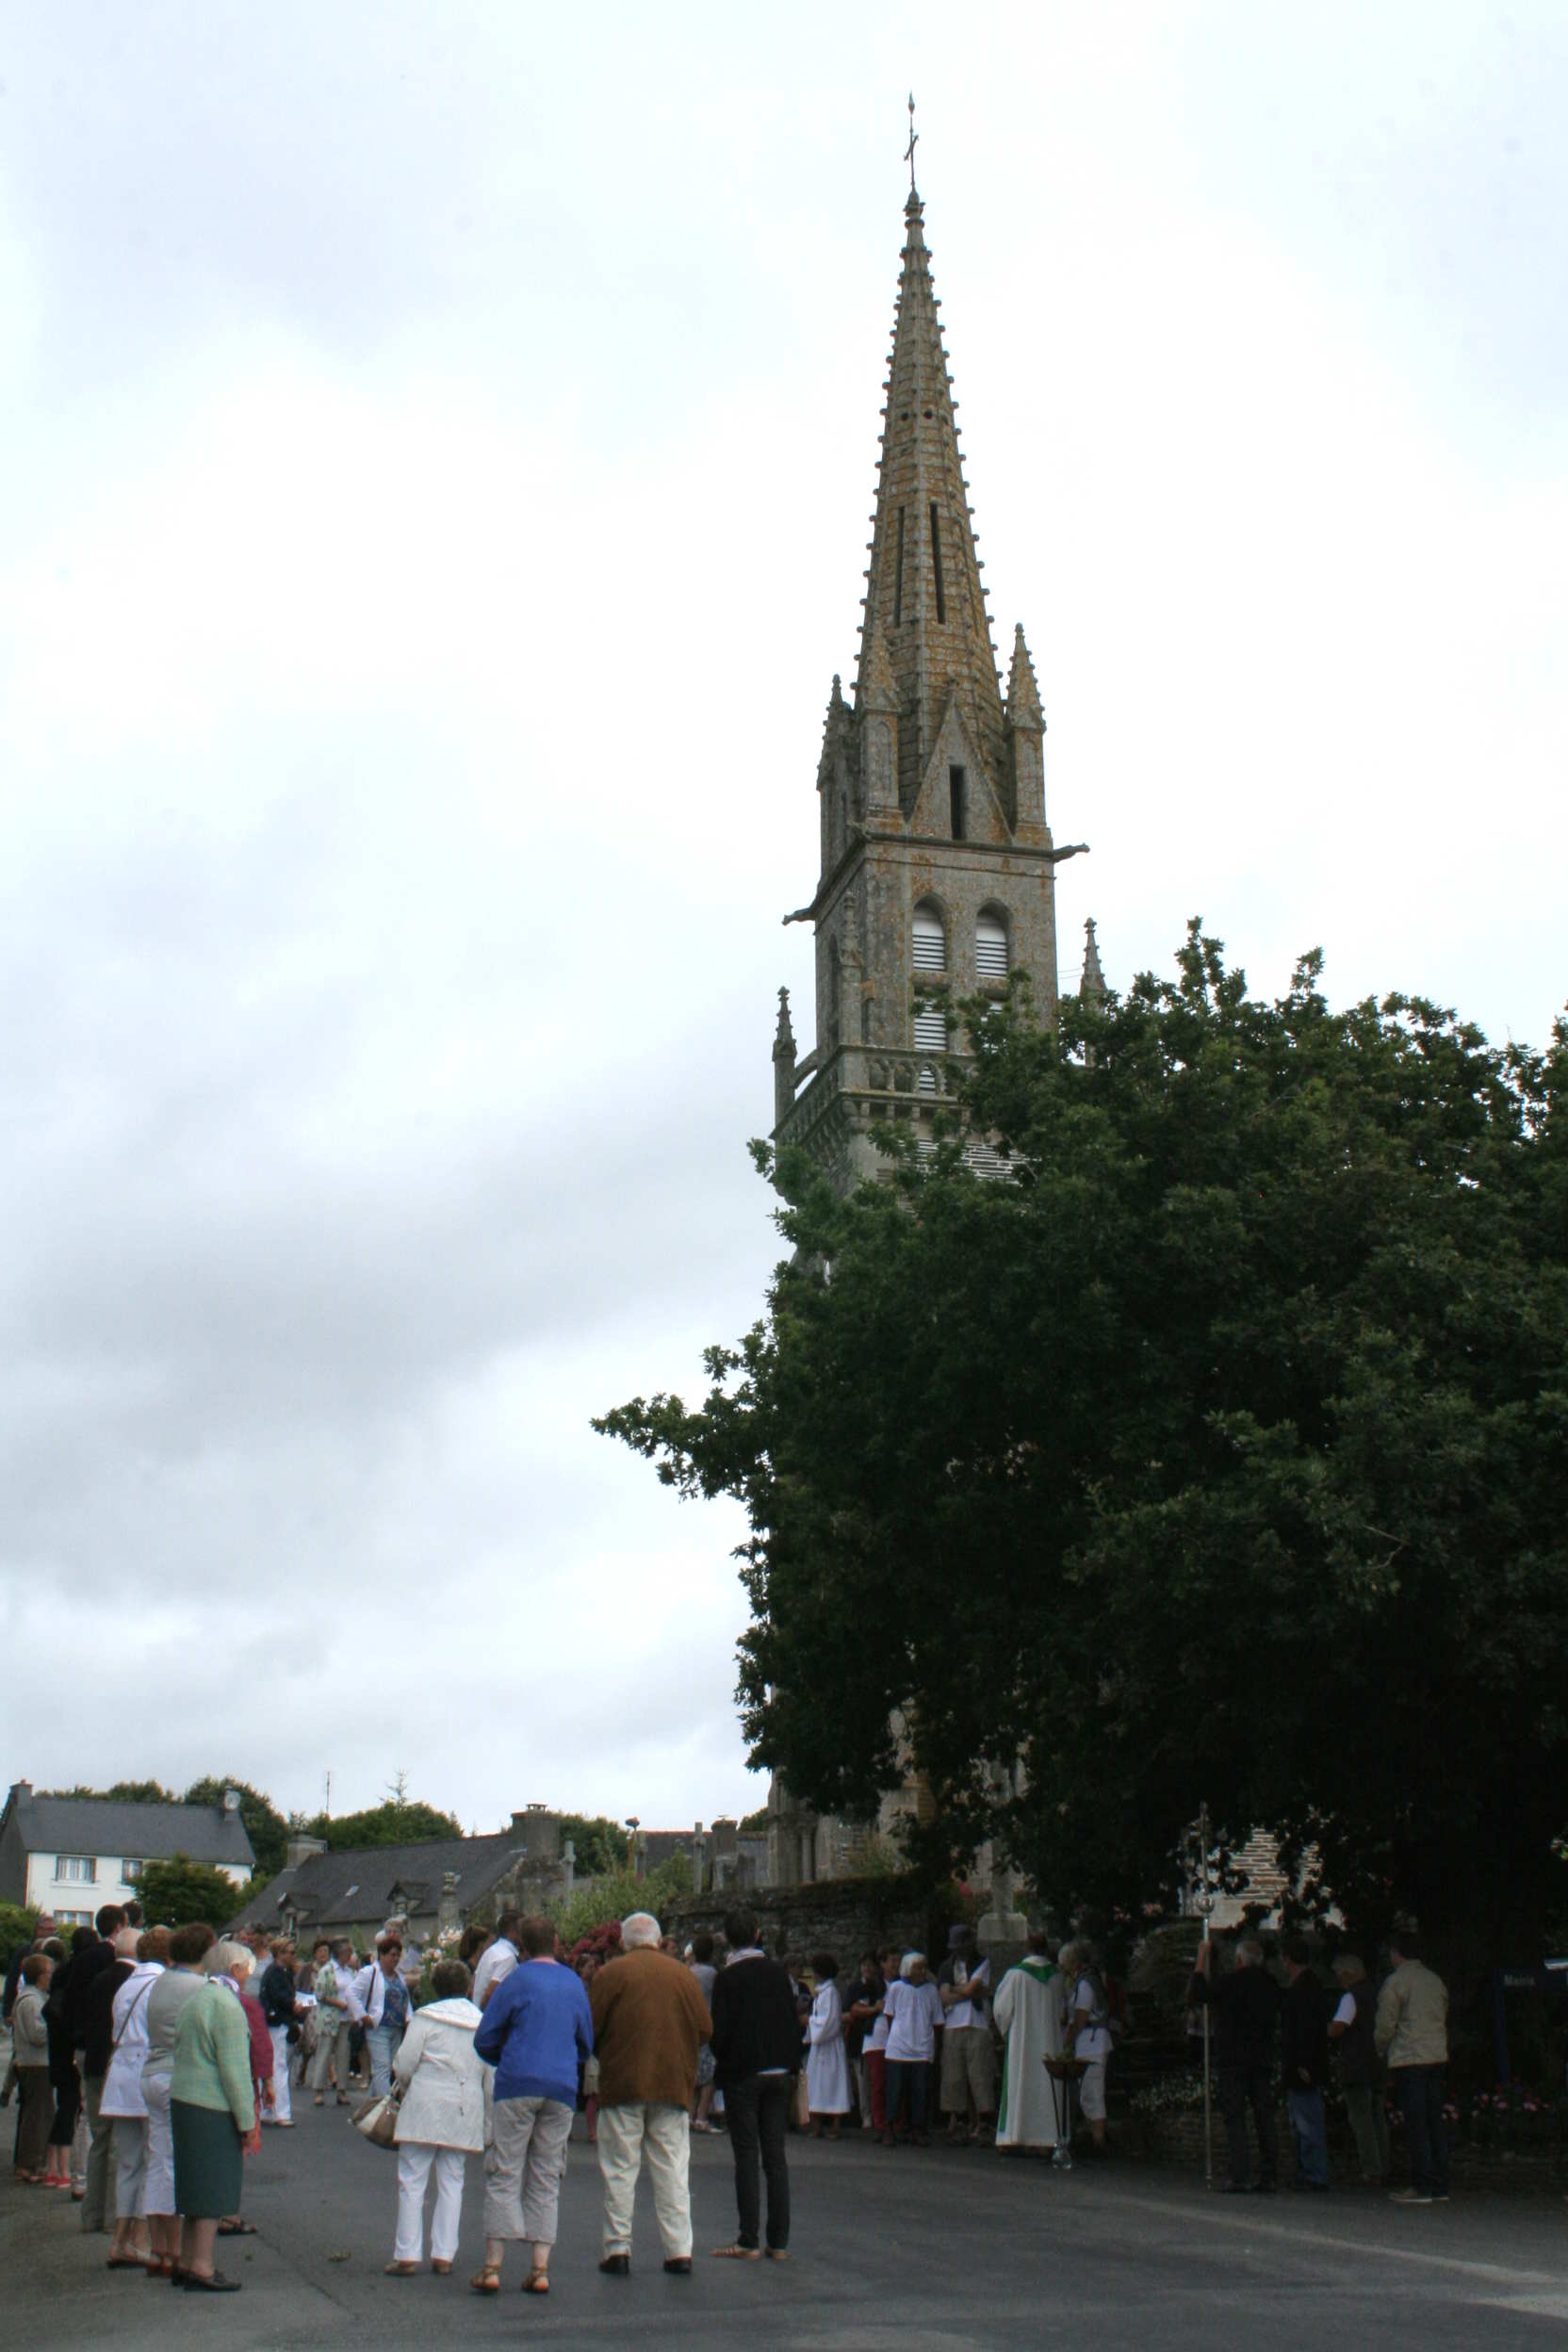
(301, 1849)
(538, 1830)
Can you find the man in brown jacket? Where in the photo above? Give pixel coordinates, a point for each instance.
(649, 2022)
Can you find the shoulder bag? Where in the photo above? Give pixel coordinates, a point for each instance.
(378, 2119)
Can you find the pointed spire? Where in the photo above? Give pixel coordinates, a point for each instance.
(924, 596)
(783, 1063)
(1024, 695)
(784, 1036)
(1092, 985)
(833, 728)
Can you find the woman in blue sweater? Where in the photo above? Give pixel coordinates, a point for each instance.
(536, 2026)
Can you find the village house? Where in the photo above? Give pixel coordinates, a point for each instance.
(69, 1856)
(437, 1882)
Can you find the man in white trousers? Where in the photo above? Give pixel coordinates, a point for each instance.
(649, 2022)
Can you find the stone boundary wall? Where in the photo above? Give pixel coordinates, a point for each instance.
(843, 1916)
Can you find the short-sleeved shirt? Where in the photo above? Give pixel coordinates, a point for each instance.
(496, 1961)
(1093, 2041)
(967, 2012)
(914, 2012)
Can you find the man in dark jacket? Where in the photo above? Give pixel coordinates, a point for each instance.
(1306, 2062)
(100, 1969)
(1246, 2004)
(756, 2057)
(1361, 2069)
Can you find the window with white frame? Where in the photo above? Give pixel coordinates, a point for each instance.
(990, 948)
(930, 940)
(130, 1871)
(71, 1918)
(75, 1869)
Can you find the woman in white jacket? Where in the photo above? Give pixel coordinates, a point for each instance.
(122, 2100)
(444, 2085)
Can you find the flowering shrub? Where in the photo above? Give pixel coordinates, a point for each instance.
(1172, 2095)
(603, 1941)
(441, 1947)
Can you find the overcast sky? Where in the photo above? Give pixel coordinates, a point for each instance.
(436, 454)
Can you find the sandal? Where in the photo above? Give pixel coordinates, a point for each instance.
(486, 2280)
(237, 2229)
(779, 2253)
(537, 2283)
(736, 2253)
(440, 2269)
(400, 2270)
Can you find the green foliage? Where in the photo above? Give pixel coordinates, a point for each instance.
(18, 1926)
(173, 1893)
(265, 1825)
(753, 1824)
(600, 1842)
(618, 1894)
(388, 1824)
(1220, 1456)
(124, 1793)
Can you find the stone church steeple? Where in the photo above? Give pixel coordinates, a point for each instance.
(937, 879)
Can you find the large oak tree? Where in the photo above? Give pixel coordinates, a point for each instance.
(1220, 1455)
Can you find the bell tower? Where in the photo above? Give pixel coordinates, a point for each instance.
(938, 868)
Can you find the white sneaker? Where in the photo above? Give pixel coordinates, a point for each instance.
(1411, 2197)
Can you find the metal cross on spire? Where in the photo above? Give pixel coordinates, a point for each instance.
(914, 140)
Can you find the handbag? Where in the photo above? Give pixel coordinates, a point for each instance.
(378, 2119)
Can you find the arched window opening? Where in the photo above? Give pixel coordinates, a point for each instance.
(990, 948)
(927, 1079)
(930, 940)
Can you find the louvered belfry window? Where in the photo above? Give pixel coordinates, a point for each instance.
(990, 948)
(930, 941)
(930, 1028)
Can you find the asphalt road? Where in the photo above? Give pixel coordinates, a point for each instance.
(896, 2251)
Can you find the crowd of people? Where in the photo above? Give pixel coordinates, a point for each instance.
(1395, 2038)
(149, 2061)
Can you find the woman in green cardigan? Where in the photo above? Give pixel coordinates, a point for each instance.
(212, 2113)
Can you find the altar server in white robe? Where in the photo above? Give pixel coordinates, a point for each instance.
(1028, 2012)
(826, 2060)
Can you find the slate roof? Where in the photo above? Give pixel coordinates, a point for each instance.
(357, 1883)
(659, 1846)
(139, 1833)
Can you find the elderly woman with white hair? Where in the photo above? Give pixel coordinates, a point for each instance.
(914, 2011)
(649, 2022)
(181, 1979)
(212, 2112)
